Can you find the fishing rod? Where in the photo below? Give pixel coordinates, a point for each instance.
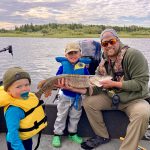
(9, 49)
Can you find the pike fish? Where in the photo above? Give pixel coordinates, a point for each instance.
(75, 81)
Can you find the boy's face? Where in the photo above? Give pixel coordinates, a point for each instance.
(73, 56)
(18, 87)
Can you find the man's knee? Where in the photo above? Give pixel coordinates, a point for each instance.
(86, 102)
(142, 111)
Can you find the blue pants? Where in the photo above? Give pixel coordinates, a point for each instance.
(27, 144)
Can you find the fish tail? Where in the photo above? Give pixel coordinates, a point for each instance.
(39, 94)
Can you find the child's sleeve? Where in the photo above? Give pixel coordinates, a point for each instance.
(13, 116)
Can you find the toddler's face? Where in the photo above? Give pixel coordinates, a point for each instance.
(73, 56)
(19, 87)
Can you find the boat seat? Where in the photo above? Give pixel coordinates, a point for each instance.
(116, 122)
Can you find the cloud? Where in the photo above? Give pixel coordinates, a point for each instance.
(7, 25)
(38, 1)
(38, 12)
(116, 12)
(2, 10)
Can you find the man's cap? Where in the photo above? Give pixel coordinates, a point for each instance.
(73, 46)
(13, 74)
(113, 32)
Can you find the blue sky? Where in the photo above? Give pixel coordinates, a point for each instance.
(107, 12)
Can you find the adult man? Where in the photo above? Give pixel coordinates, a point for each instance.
(130, 75)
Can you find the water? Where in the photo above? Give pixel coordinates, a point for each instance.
(37, 55)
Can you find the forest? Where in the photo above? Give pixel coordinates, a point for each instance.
(74, 30)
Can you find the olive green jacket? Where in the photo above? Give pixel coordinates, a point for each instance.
(136, 76)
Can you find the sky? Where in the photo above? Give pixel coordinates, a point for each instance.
(107, 12)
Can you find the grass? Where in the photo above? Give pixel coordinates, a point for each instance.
(67, 35)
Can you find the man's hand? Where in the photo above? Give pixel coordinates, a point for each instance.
(106, 84)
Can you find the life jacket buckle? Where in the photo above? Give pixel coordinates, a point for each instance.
(45, 119)
(36, 125)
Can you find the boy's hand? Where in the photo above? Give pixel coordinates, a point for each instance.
(63, 84)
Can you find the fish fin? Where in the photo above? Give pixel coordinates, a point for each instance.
(38, 94)
(47, 93)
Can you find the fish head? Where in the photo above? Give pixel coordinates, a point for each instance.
(95, 80)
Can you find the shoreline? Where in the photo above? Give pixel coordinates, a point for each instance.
(40, 35)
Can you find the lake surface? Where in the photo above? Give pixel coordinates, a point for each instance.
(37, 55)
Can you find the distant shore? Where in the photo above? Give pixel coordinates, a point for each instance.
(63, 35)
(54, 30)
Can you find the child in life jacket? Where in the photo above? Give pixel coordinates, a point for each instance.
(21, 122)
(69, 103)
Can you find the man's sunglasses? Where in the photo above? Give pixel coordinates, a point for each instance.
(112, 42)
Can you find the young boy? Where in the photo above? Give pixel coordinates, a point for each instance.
(23, 111)
(70, 98)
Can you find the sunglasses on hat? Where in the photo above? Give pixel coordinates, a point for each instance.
(112, 42)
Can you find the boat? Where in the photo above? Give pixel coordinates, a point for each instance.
(116, 123)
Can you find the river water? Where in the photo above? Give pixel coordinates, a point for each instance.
(37, 55)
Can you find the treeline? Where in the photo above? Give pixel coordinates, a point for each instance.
(75, 29)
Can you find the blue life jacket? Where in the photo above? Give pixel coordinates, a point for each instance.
(69, 68)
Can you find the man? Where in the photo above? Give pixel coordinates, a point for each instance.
(126, 92)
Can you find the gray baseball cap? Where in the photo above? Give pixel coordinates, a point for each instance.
(114, 33)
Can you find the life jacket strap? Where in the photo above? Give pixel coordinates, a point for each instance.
(32, 109)
(36, 125)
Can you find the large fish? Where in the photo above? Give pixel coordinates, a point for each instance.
(75, 81)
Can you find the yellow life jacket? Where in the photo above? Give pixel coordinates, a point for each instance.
(35, 119)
